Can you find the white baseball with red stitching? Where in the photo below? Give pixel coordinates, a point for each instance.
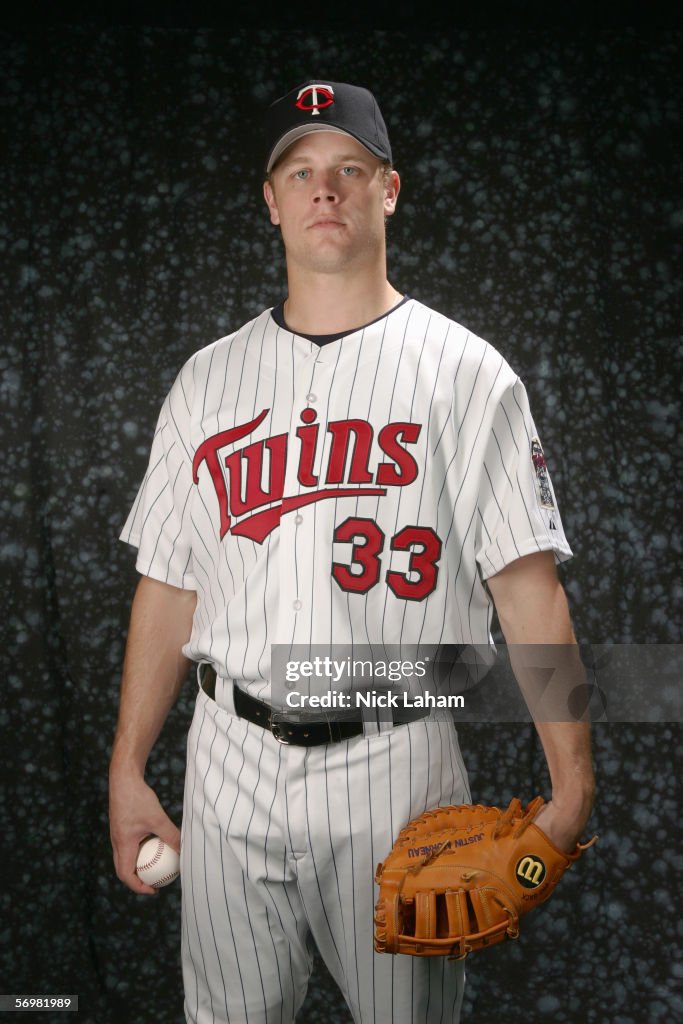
(158, 864)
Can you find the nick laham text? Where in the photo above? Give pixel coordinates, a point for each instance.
(373, 699)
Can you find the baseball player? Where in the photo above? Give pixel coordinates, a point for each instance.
(349, 467)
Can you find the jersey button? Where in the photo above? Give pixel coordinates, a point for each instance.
(296, 605)
(311, 397)
(298, 520)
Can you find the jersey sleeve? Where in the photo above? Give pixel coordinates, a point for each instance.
(159, 522)
(517, 512)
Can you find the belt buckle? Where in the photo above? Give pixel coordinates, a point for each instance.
(276, 729)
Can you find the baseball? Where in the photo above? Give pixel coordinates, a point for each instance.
(158, 864)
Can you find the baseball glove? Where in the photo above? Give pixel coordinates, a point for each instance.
(458, 879)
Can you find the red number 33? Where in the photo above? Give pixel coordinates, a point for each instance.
(363, 571)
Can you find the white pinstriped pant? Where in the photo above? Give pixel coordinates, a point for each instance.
(279, 847)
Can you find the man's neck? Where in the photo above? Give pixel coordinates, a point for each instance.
(333, 304)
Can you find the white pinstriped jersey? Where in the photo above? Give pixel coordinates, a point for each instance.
(361, 491)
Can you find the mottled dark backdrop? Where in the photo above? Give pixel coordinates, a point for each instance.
(541, 206)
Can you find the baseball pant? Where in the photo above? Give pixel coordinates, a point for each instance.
(279, 849)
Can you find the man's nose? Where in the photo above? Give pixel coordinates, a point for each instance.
(325, 190)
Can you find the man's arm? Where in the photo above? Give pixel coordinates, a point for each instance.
(532, 609)
(153, 672)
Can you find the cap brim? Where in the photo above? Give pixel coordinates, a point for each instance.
(305, 129)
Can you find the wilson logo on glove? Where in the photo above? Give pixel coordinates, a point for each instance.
(530, 872)
(464, 893)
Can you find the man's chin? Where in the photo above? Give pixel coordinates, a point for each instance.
(333, 259)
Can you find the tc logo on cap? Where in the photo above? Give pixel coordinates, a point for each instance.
(312, 92)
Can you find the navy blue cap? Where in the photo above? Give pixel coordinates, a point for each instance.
(328, 107)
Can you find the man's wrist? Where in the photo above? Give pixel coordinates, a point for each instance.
(580, 790)
(574, 806)
(126, 761)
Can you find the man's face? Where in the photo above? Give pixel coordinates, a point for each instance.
(330, 197)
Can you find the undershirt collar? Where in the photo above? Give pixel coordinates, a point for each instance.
(278, 316)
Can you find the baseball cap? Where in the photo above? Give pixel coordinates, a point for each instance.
(328, 107)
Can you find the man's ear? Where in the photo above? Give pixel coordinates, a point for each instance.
(392, 187)
(269, 196)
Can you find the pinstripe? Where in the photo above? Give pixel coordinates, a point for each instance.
(422, 483)
(325, 448)
(209, 375)
(510, 427)
(208, 899)
(352, 846)
(469, 462)
(193, 875)
(468, 638)
(382, 347)
(253, 806)
(493, 492)
(178, 533)
(258, 953)
(369, 880)
(187, 829)
(238, 547)
(208, 572)
(455, 380)
(246, 591)
(488, 536)
(178, 430)
(462, 417)
(262, 668)
(297, 539)
(153, 503)
(333, 857)
(228, 916)
(494, 435)
(389, 415)
(228, 897)
(184, 393)
(459, 431)
(398, 503)
(321, 897)
(170, 511)
(348, 414)
(274, 908)
(391, 408)
(469, 612)
(394, 828)
(244, 878)
(399, 824)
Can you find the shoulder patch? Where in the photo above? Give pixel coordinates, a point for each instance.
(545, 493)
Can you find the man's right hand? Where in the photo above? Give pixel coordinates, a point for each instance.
(154, 669)
(134, 814)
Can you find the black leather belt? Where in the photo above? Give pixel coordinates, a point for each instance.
(299, 734)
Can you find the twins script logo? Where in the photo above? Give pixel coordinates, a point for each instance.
(315, 98)
(253, 476)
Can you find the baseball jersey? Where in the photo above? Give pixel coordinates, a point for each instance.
(356, 492)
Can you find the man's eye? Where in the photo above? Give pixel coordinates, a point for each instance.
(349, 171)
(301, 175)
